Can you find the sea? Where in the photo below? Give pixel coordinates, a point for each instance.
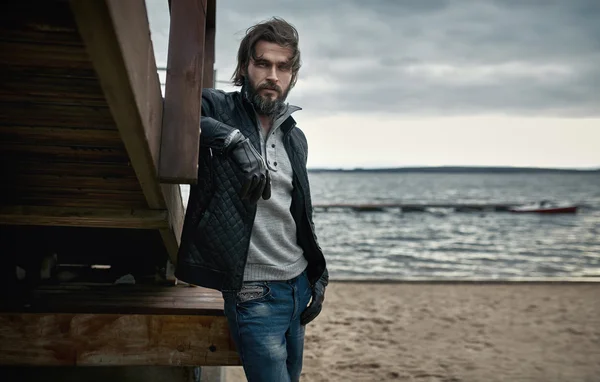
(445, 244)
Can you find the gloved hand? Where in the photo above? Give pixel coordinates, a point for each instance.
(257, 180)
(316, 304)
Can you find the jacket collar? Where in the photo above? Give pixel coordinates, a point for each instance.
(284, 120)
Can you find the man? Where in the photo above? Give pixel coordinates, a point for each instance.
(248, 229)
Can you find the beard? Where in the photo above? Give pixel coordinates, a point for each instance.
(265, 105)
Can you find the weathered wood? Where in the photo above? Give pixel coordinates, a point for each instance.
(119, 185)
(60, 136)
(64, 198)
(183, 90)
(79, 217)
(123, 299)
(77, 193)
(101, 170)
(211, 14)
(85, 74)
(54, 56)
(116, 34)
(117, 38)
(208, 77)
(23, 86)
(113, 339)
(45, 114)
(64, 153)
(172, 235)
(47, 22)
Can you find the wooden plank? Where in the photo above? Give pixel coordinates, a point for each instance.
(78, 200)
(122, 299)
(85, 154)
(117, 37)
(18, 190)
(102, 170)
(183, 90)
(21, 86)
(47, 114)
(44, 181)
(60, 136)
(172, 235)
(113, 339)
(40, 22)
(80, 217)
(54, 56)
(211, 14)
(50, 72)
(208, 77)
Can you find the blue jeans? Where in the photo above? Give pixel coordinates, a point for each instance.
(264, 321)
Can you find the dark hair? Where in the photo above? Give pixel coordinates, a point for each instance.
(275, 30)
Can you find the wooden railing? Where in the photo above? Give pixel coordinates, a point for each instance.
(190, 66)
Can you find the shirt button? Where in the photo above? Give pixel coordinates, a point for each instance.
(273, 146)
(275, 163)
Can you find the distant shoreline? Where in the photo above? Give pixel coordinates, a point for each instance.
(456, 169)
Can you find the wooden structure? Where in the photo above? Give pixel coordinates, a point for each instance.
(92, 158)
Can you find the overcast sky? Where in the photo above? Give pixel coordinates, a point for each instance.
(432, 82)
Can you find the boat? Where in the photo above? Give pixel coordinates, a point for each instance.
(545, 207)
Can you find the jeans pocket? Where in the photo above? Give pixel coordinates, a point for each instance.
(253, 293)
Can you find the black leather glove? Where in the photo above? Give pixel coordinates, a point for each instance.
(257, 180)
(316, 304)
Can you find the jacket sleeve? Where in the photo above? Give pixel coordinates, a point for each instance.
(213, 133)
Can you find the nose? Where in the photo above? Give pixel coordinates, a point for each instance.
(272, 75)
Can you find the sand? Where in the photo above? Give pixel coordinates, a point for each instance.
(454, 332)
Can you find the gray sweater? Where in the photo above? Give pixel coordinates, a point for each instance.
(274, 253)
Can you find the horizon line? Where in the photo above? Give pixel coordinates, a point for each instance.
(457, 167)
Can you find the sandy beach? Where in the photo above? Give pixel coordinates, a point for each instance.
(454, 332)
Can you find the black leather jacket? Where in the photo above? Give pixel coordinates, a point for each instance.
(218, 224)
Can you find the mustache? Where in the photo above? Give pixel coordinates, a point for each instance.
(270, 86)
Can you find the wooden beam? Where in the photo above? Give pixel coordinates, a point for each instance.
(211, 14)
(16, 151)
(60, 136)
(208, 76)
(96, 298)
(96, 183)
(48, 114)
(117, 37)
(183, 90)
(172, 234)
(83, 217)
(102, 170)
(47, 339)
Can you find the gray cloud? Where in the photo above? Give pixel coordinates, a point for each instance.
(439, 57)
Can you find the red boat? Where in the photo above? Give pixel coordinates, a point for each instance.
(545, 207)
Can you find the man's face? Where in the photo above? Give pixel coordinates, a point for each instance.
(269, 77)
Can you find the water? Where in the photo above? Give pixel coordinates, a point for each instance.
(446, 244)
